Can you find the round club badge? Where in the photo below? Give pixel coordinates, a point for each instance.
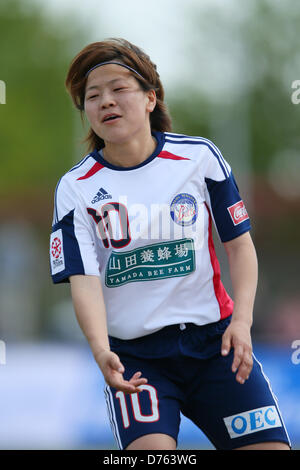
(184, 209)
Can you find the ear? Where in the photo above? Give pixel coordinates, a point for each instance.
(151, 100)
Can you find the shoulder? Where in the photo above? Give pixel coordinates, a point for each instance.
(77, 171)
(192, 140)
(65, 190)
(198, 148)
(87, 166)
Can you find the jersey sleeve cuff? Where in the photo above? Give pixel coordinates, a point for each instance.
(232, 236)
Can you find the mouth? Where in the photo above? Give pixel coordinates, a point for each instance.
(110, 118)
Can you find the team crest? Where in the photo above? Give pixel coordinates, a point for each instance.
(184, 209)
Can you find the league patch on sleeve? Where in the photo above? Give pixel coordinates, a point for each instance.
(57, 259)
(238, 213)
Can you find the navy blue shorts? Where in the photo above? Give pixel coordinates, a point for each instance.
(186, 373)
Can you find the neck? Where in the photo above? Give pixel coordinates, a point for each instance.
(131, 153)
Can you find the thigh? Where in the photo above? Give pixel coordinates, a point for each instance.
(155, 410)
(153, 442)
(234, 415)
(266, 446)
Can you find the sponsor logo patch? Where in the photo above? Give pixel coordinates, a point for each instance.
(151, 262)
(252, 421)
(238, 213)
(57, 259)
(184, 209)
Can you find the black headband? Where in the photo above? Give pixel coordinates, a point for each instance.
(113, 62)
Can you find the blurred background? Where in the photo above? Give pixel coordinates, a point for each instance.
(228, 69)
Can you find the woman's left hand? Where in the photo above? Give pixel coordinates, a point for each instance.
(237, 336)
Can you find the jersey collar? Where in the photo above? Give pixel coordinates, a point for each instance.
(160, 137)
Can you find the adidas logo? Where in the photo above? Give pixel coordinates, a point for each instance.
(101, 194)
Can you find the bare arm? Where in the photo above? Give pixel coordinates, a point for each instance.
(90, 312)
(243, 271)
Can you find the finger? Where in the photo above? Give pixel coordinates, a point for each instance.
(116, 364)
(137, 380)
(136, 375)
(226, 344)
(128, 389)
(245, 368)
(138, 383)
(134, 387)
(116, 380)
(237, 358)
(122, 385)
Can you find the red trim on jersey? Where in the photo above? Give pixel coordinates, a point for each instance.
(92, 171)
(224, 300)
(165, 154)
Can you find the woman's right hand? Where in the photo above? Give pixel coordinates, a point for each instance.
(112, 370)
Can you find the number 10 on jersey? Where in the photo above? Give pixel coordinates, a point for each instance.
(136, 406)
(105, 226)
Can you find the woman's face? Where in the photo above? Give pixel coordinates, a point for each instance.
(116, 106)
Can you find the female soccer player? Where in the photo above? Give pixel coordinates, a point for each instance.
(132, 233)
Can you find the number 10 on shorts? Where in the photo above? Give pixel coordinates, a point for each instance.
(136, 406)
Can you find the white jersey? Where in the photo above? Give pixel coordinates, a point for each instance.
(146, 231)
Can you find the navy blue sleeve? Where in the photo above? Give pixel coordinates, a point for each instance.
(228, 209)
(65, 256)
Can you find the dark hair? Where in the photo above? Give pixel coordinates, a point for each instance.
(129, 54)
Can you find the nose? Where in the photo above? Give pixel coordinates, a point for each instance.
(107, 100)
